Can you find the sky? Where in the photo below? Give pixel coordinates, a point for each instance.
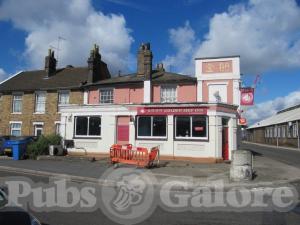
(265, 33)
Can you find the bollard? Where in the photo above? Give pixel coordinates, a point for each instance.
(241, 166)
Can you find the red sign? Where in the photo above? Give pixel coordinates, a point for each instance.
(199, 128)
(172, 110)
(243, 121)
(247, 96)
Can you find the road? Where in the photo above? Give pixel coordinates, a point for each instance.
(160, 216)
(290, 157)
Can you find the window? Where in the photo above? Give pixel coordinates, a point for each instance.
(63, 97)
(88, 126)
(168, 94)
(40, 102)
(106, 96)
(17, 103)
(283, 131)
(38, 129)
(275, 132)
(152, 126)
(295, 130)
(266, 132)
(15, 128)
(57, 128)
(191, 127)
(271, 132)
(279, 131)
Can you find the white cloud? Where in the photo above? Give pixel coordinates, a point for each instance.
(183, 39)
(266, 109)
(76, 21)
(264, 32)
(3, 74)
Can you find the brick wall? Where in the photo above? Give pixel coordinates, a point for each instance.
(28, 117)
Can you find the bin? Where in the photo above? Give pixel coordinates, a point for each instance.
(18, 146)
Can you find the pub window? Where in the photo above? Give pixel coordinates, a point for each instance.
(106, 96)
(151, 126)
(87, 126)
(191, 127)
(168, 94)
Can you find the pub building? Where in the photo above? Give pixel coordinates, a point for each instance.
(188, 117)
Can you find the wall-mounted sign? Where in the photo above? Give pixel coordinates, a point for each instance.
(242, 121)
(247, 96)
(217, 67)
(171, 110)
(199, 128)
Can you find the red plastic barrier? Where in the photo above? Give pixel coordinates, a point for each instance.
(138, 156)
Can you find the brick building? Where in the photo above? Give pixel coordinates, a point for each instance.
(282, 129)
(29, 102)
(186, 116)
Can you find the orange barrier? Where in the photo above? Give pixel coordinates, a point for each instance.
(138, 156)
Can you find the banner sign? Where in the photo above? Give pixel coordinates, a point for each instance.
(171, 111)
(247, 96)
(217, 67)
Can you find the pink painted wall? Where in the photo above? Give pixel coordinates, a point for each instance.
(136, 95)
(93, 97)
(187, 93)
(156, 93)
(229, 90)
(121, 95)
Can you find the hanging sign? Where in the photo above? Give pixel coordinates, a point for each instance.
(242, 121)
(247, 96)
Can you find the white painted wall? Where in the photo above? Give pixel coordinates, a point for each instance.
(147, 91)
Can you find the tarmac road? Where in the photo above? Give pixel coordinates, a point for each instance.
(162, 217)
(290, 157)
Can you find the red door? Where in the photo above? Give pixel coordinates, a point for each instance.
(225, 147)
(123, 129)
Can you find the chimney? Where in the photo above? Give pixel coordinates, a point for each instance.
(50, 63)
(160, 67)
(97, 69)
(144, 61)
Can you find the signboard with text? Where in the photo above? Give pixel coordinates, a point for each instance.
(217, 67)
(171, 111)
(247, 96)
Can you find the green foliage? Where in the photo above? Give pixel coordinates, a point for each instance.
(41, 146)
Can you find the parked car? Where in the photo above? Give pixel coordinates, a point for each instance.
(13, 215)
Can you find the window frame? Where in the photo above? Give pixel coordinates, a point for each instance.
(88, 125)
(166, 86)
(59, 96)
(20, 100)
(36, 102)
(107, 89)
(151, 129)
(191, 129)
(11, 129)
(294, 130)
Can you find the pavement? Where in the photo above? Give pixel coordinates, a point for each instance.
(270, 168)
(268, 171)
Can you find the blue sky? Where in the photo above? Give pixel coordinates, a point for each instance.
(266, 33)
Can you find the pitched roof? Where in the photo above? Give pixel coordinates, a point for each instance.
(64, 78)
(283, 116)
(75, 77)
(157, 77)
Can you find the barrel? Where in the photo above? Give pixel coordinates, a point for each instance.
(241, 165)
